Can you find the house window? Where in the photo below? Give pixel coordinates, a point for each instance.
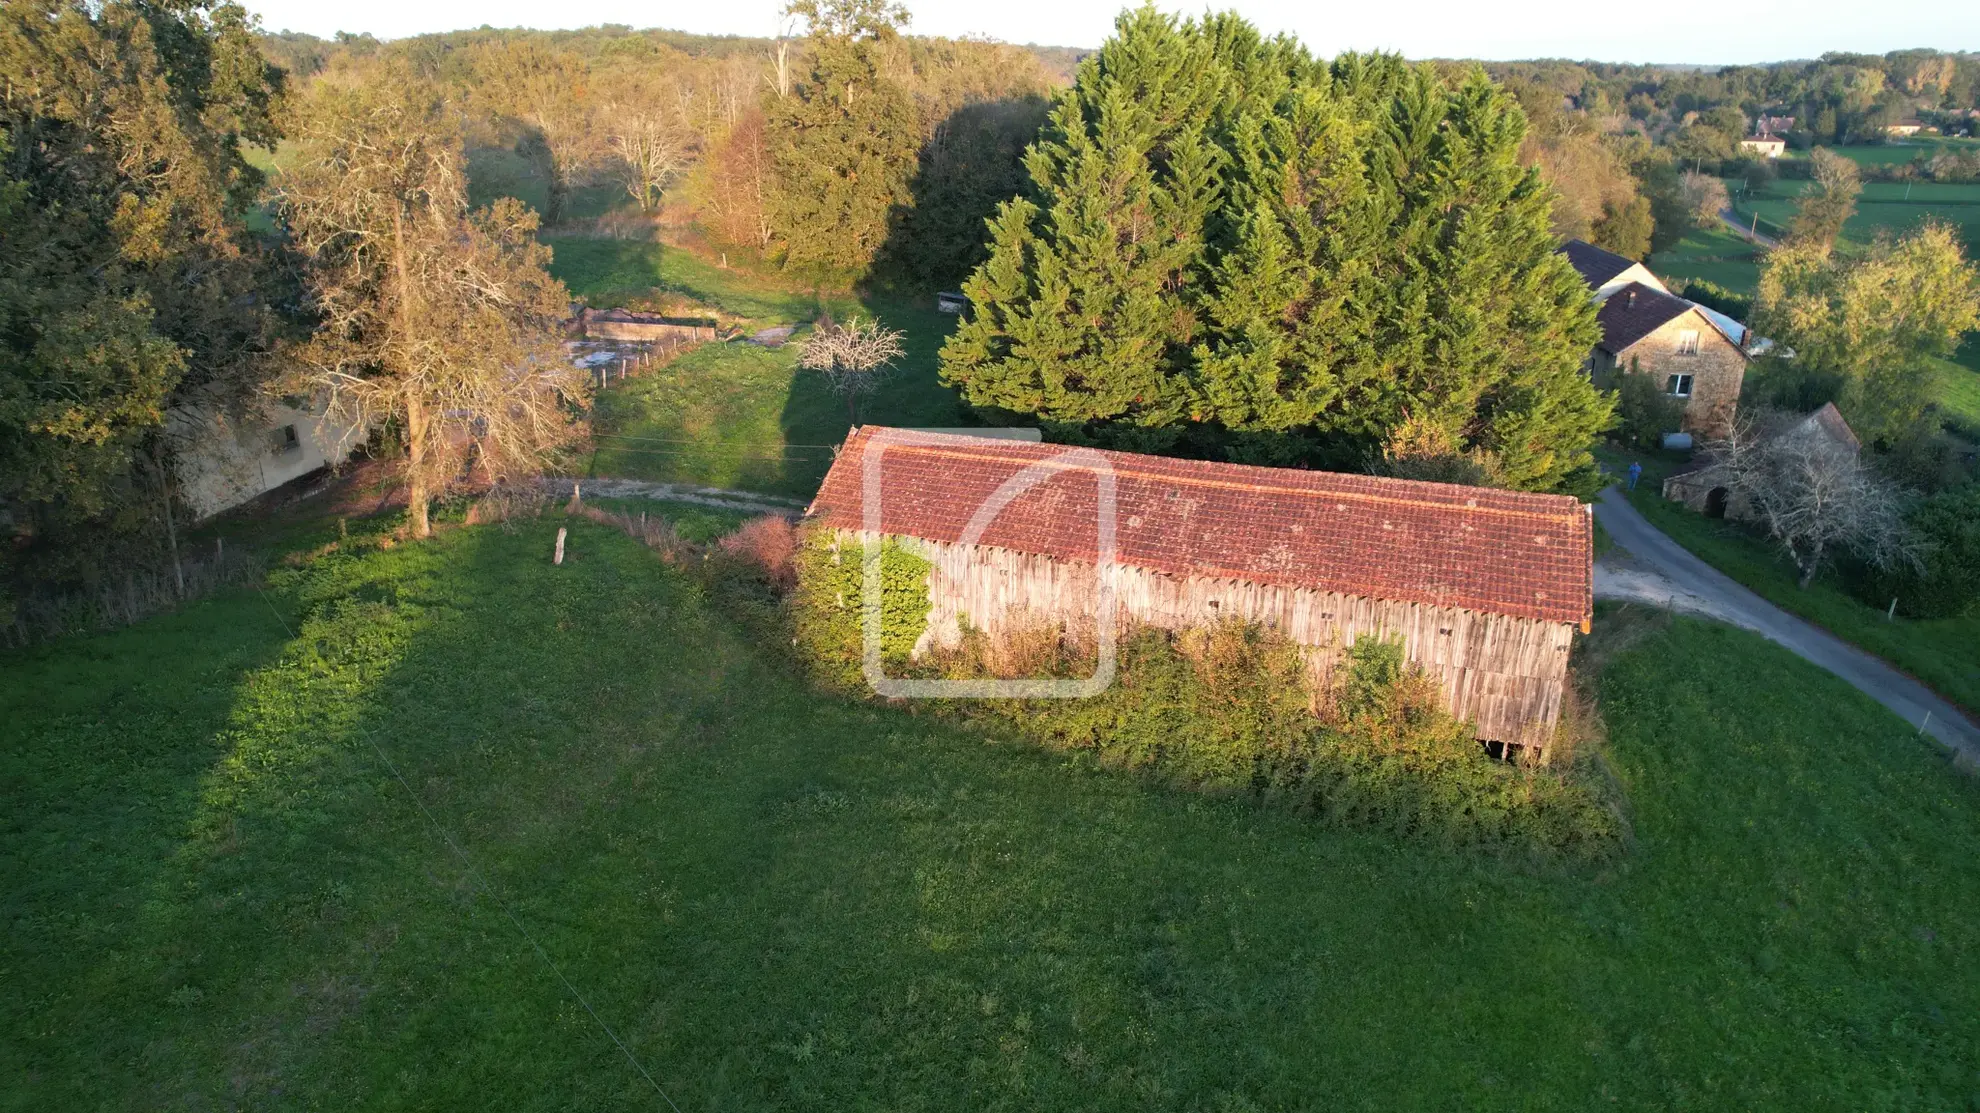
(1678, 385)
(1688, 342)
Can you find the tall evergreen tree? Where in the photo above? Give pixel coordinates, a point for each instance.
(1283, 260)
(843, 144)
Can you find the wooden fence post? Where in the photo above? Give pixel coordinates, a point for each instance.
(559, 558)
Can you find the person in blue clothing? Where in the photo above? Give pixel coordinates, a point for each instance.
(1635, 473)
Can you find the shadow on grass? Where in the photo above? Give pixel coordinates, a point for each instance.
(781, 899)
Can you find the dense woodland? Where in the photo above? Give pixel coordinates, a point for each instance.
(1195, 239)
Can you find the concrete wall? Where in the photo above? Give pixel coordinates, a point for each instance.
(229, 461)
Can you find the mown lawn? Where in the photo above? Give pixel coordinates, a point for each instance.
(1893, 207)
(739, 415)
(1943, 653)
(220, 894)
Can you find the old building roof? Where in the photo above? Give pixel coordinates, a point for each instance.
(1502, 552)
(1830, 421)
(1597, 266)
(1634, 312)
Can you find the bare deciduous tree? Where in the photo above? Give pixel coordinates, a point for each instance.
(434, 319)
(650, 148)
(1815, 497)
(853, 357)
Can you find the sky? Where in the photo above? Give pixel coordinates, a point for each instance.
(1754, 31)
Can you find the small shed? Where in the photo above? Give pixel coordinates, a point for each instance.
(1484, 588)
(627, 325)
(951, 301)
(1707, 487)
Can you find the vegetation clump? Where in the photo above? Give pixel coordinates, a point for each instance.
(1231, 709)
(1232, 246)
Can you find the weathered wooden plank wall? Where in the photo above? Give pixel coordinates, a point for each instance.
(1505, 674)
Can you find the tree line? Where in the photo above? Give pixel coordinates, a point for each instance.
(842, 148)
(1211, 242)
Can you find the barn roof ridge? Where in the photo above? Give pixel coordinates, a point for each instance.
(1471, 504)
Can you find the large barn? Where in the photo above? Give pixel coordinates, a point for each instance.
(1484, 588)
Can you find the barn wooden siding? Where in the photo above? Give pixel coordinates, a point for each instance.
(1505, 674)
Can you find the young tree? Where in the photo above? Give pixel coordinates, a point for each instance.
(1705, 198)
(439, 321)
(650, 148)
(1816, 498)
(853, 357)
(1874, 322)
(843, 143)
(739, 185)
(1827, 204)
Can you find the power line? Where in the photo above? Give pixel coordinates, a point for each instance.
(481, 883)
(697, 441)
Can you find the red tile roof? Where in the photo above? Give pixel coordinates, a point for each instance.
(1502, 552)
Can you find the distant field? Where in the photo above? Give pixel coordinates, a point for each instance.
(1886, 154)
(1892, 206)
(614, 272)
(1713, 255)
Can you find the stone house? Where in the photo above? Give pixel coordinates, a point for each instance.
(1765, 146)
(1707, 487)
(227, 458)
(1693, 354)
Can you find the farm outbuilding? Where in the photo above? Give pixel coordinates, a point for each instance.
(1484, 588)
(627, 325)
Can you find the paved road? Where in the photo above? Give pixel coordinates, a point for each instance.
(1660, 571)
(1745, 231)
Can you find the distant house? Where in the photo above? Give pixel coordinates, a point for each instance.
(1773, 125)
(1905, 129)
(1707, 488)
(1483, 588)
(1766, 146)
(1695, 354)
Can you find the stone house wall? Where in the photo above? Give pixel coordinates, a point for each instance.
(1716, 370)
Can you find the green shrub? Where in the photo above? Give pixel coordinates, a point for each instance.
(1948, 528)
(1644, 413)
(831, 581)
(1714, 296)
(1229, 709)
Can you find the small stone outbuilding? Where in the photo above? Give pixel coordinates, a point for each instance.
(1708, 488)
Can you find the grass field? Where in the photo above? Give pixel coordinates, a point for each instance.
(739, 415)
(220, 894)
(1884, 206)
(1943, 653)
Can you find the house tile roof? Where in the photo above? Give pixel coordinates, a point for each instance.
(1597, 266)
(1634, 312)
(1500, 552)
